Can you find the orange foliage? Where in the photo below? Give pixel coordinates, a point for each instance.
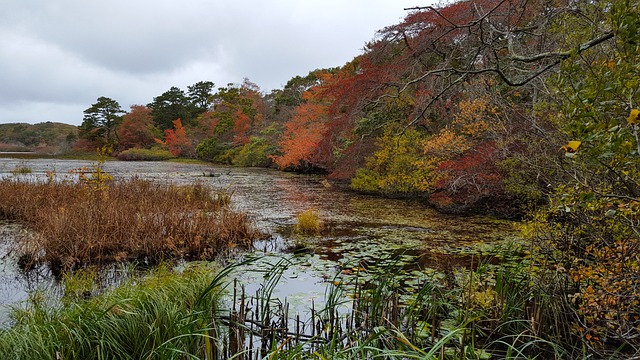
(176, 140)
(302, 135)
(609, 300)
(445, 145)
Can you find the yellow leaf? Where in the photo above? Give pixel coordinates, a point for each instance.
(572, 146)
(633, 117)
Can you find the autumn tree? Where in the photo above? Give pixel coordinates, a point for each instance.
(176, 140)
(589, 232)
(302, 136)
(100, 121)
(237, 110)
(308, 126)
(137, 129)
(515, 41)
(291, 95)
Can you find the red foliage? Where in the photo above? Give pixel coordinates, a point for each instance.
(345, 92)
(241, 128)
(136, 128)
(470, 179)
(207, 121)
(85, 145)
(176, 140)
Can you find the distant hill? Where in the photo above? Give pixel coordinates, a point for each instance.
(47, 137)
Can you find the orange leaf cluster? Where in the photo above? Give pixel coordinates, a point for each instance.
(302, 135)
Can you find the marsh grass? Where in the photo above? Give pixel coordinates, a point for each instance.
(451, 318)
(165, 315)
(98, 221)
(308, 223)
(21, 170)
(169, 315)
(441, 321)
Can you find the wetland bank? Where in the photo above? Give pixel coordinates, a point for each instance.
(373, 257)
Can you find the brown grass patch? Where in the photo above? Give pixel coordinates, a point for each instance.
(75, 224)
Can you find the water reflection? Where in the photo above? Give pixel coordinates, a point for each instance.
(360, 229)
(15, 286)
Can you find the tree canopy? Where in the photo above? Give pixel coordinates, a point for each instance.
(100, 121)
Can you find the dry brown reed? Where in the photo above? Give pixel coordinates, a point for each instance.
(134, 219)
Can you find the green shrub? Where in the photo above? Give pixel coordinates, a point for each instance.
(144, 155)
(256, 153)
(398, 166)
(365, 180)
(208, 149)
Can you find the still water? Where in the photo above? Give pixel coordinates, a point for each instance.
(360, 231)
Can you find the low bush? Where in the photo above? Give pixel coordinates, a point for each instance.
(256, 153)
(144, 155)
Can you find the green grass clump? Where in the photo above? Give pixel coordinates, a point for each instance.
(165, 315)
(22, 169)
(309, 223)
(144, 155)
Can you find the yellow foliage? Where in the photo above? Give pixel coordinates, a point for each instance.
(445, 145)
(473, 115)
(308, 222)
(399, 165)
(633, 117)
(572, 146)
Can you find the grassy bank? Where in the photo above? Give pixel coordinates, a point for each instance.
(165, 315)
(90, 156)
(491, 313)
(97, 220)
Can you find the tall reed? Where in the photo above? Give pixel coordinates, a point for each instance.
(179, 316)
(75, 224)
(480, 314)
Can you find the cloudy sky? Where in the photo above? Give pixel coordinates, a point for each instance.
(58, 56)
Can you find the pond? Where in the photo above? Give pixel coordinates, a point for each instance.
(361, 232)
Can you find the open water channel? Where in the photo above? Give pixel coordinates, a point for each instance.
(361, 233)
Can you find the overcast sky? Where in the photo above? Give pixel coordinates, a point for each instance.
(58, 56)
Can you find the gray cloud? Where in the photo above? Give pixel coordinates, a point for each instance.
(57, 57)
